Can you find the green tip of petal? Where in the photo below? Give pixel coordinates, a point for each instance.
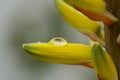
(103, 63)
(24, 46)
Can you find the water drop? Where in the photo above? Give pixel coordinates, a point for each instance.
(58, 41)
(39, 42)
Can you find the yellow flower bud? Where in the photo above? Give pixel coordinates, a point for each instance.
(58, 50)
(78, 20)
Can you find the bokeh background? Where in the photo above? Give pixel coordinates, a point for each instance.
(25, 21)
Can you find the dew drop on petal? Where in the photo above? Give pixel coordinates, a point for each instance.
(58, 41)
(39, 42)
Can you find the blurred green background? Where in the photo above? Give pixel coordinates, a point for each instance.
(25, 21)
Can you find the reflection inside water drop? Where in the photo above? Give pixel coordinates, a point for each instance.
(58, 41)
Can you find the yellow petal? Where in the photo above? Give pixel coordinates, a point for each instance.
(94, 9)
(59, 51)
(93, 5)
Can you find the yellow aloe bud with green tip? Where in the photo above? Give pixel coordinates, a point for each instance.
(103, 63)
(58, 50)
(78, 20)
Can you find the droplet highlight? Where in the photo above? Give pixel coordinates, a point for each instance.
(58, 41)
(39, 42)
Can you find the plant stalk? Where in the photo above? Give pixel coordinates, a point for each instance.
(112, 32)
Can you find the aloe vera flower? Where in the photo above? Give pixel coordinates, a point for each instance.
(88, 17)
(59, 51)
